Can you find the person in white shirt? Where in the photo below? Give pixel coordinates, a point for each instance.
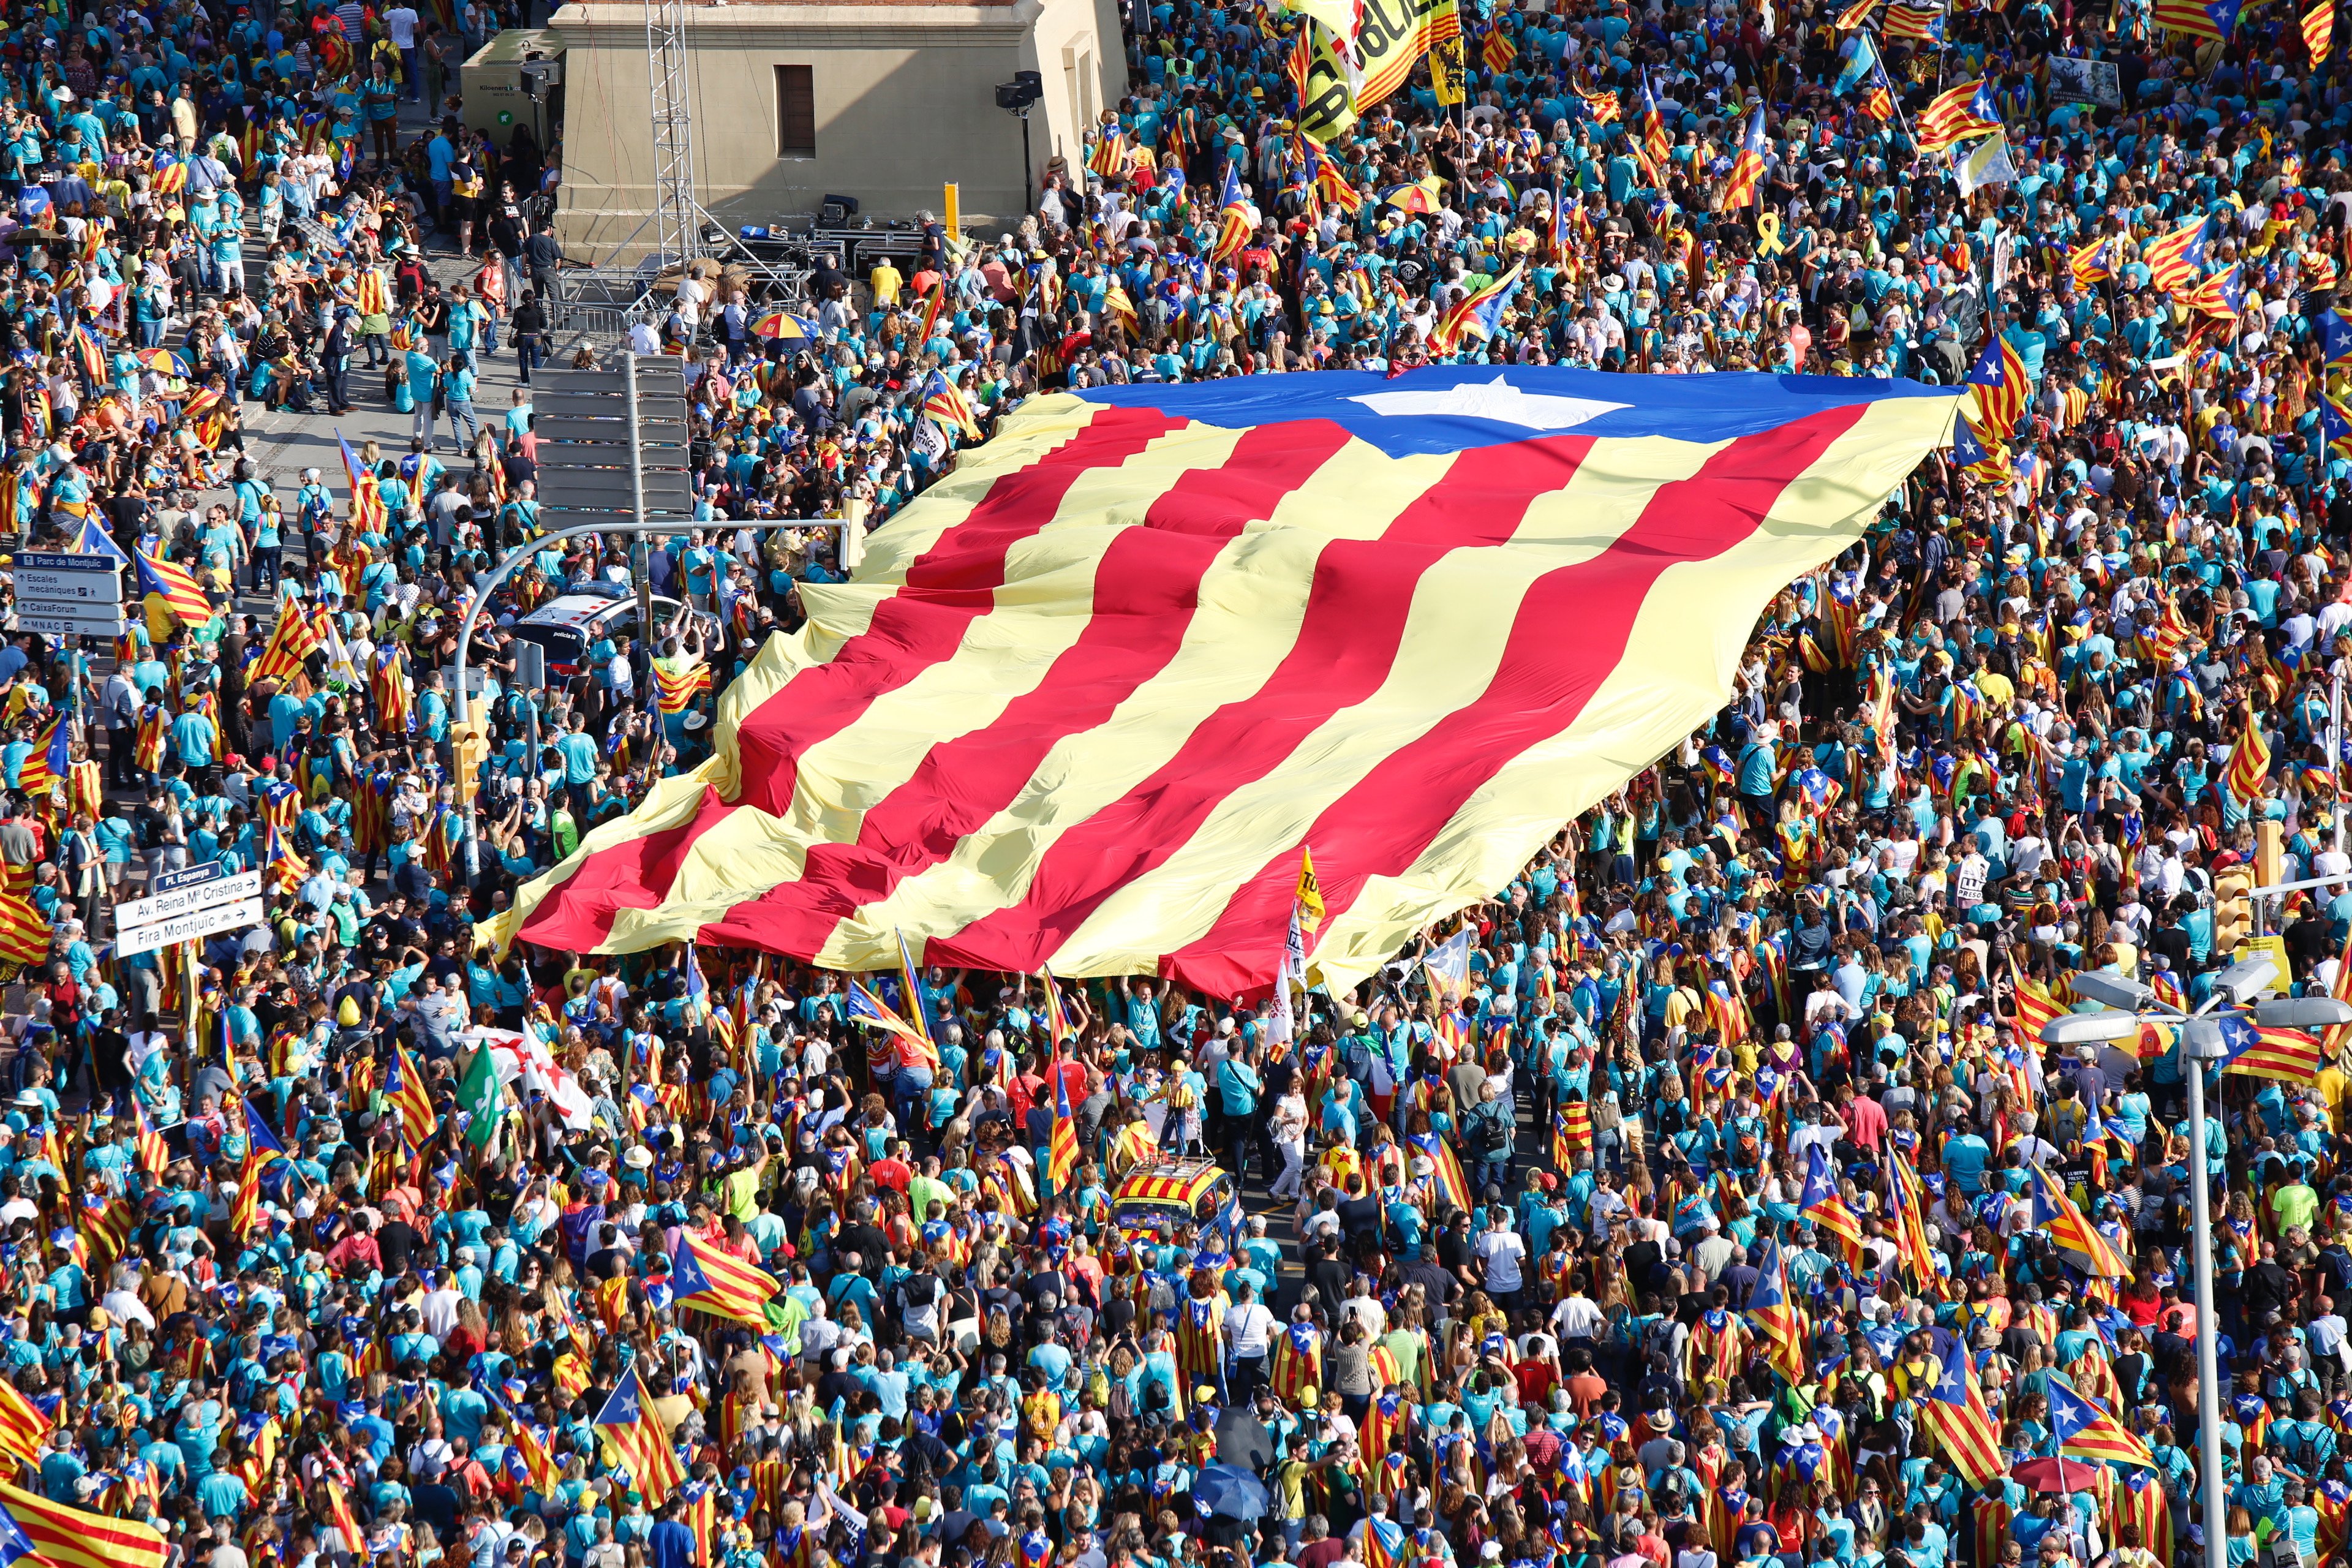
(1249, 1336)
(1500, 1253)
(440, 1306)
(1290, 1138)
(400, 26)
(2327, 1335)
(1365, 1308)
(1577, 1316)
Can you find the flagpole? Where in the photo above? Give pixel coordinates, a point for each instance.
(2208, 1384)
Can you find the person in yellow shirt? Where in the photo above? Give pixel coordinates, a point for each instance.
(1682, 1005)
(886, 280)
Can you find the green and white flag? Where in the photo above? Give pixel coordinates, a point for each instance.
(478, 1095)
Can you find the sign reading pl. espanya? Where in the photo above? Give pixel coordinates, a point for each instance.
(188, 906)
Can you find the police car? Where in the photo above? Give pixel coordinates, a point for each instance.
(568, 627)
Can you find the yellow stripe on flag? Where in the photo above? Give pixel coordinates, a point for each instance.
(69, 1538)
(1129, 820)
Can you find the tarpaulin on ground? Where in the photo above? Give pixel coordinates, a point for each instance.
(1088, 699)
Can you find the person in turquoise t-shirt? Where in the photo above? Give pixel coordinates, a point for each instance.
(457, 394)
(424, 380)
(193, 736)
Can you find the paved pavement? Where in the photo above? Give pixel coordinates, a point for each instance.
(281, 446)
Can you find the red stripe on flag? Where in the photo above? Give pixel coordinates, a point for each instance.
(1382, 824)
(1346, 644)
(1146, 590)
(635, 874)
(950, 586)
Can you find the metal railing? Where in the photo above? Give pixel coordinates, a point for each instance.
(590, 326)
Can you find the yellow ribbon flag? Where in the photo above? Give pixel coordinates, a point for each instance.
(1310, 892)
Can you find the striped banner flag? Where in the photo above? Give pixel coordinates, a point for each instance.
(1655, 139)
(1057, 1012)
(347, 1525)
(708, 1279)
(2000, 384)
(1236, 219)
(633, 1432)
(2290, 1056)
(1062, 1140)
(1953, 1410)
(1778, 1329)
(2036, 1009)
(917, 998)
(2247, 772)
(1909, 24)
(1274, 599)
(2086, 1429)
(2175, 260)
(676, 689)
(863, 1006)
(2319, 30)
(1453, 1186)
(1571, 1137)
(1911, 1228)
(292, 640)
(178, 586)
(1478, 313)
(2070, 1230)
(24, 930)
(2212, 20)
(49, 761)
(368, 515)
(1747, 164)
(2222, 296)
(64, 1537)
(23, 1427)
(1958, 114)
(405, 1091)
(154, 1155)
(2094, 262)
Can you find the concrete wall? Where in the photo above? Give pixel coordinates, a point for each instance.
(905, 95)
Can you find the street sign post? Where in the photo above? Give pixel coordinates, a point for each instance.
(188, 928)
(50, 622)
(187, 906)
(67, 595)
(74, 579)
(193, 896)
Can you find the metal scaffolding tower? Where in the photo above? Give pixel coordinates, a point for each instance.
(678, 216)
(600, 302)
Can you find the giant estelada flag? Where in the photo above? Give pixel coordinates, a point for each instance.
(1088, 699)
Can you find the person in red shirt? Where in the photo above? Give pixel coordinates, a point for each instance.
(1865, 1119)
(1585, 1386)
(891, 1169)
(1537, 1376)
(356, 1253)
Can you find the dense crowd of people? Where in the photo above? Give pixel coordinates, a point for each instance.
(1705, 1197)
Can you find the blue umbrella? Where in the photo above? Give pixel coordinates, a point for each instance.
(1236, 1494)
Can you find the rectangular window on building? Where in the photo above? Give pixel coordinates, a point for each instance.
(795, 112)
